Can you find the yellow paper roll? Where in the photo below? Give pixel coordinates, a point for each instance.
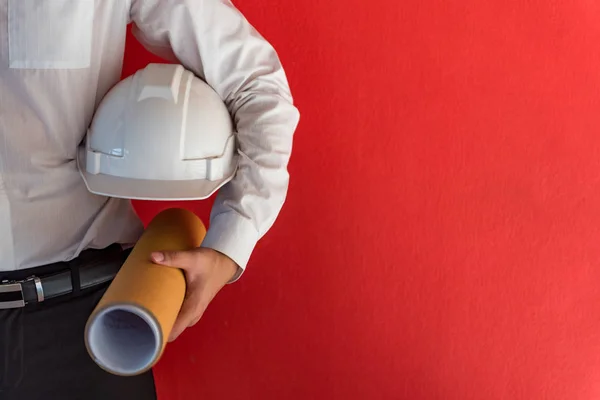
(127, 332)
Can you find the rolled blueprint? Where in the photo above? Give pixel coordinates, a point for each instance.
(127, 332)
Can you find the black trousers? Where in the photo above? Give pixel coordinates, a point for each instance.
(43, 355)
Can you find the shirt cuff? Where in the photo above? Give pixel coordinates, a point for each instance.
(233, 235)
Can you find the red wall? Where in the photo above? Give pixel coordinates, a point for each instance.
(441, 237)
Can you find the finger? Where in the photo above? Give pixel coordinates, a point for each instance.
(178, 259)
(190, 313)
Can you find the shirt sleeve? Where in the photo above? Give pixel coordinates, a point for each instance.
(214, 40)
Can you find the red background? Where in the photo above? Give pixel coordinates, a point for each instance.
(440, 240)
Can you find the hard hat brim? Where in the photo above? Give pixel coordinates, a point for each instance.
(145, 189)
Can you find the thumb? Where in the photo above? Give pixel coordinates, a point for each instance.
(190, 313)
(177, 259)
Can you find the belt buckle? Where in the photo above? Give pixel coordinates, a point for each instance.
(11, 295)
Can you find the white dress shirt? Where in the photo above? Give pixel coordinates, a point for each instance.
(58, 58)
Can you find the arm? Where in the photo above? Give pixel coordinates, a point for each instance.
(214, 40)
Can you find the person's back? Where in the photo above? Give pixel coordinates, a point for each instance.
(58, 58)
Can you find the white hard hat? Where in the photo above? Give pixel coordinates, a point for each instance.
(161, 134)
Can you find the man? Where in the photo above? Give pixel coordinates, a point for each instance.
(58, 58)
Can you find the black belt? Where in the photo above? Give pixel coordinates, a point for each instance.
(93, 268)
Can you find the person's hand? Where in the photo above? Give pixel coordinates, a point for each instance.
(206, 272)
